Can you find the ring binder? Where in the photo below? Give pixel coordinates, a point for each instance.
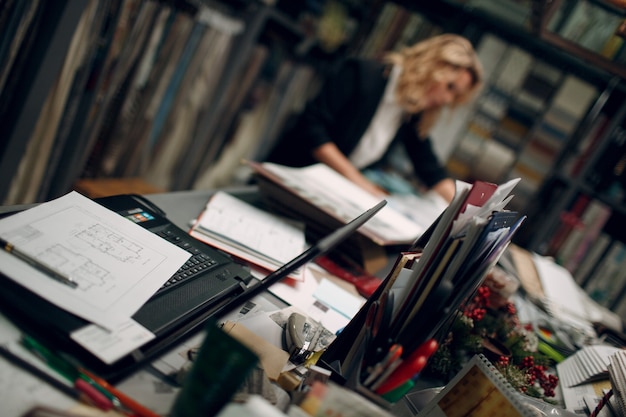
(480, 388)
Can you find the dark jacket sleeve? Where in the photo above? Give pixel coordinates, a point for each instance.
(340, 113)
(426, 164)
(320, 120)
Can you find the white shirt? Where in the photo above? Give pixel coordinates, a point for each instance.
(382, 127)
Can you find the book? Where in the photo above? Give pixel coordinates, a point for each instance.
(44, 142)
(591, 258)
(129, 124)
(577, 244)
(568, 221)
(588, 364)
(324, 198)
(617, 375)
(594, 132)
(516, 65)
(373, 44)
(609, 277)
(15, 20)
(197, 85)
(249, 233)
(32, 162)
(125, 44)
(479, 389)
(607, 173)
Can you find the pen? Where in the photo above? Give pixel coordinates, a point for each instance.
(115, 402)
(82, 384)
(100, 391)
(9, 248)
(97, 398)
(79, 391)
(42, 375)
(129, 403)
(51, 359)
(412, 366)
(376, 371)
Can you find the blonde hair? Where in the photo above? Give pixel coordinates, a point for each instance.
(429, 61)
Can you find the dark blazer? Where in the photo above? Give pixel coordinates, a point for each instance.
(341, 113)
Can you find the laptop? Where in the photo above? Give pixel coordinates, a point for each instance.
(210, 284)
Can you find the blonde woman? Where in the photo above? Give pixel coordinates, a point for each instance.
(366, 106)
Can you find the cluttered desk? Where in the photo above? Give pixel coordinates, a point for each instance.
(372, 348)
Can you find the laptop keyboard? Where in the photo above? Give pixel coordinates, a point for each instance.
(198, 263)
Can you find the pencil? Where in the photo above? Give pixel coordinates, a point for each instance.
(129, 403)
(9, 248)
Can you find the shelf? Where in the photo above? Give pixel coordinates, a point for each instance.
(532, 34)
(618, 206)
(585, 54)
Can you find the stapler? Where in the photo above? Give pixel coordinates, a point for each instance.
(301, 336)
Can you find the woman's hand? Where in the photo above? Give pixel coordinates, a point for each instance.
(445, 188)
(330, 155)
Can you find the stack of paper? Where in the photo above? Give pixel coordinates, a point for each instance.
(249, 233)
(617, 373)
(563, 297)
(588, 364)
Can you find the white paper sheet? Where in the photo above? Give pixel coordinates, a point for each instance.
(335, 194)
(117, 264)
(259, 231)
(112, 345)
(249, 233)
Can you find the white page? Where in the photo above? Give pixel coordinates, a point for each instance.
(20, 390)
(117, 264)
(337, 298)
(248, 232)
(562, 294)
(335, 194)
(112, 345)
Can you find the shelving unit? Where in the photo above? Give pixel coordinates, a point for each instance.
(30, 76)
(577, 206)
(165, 90)
(89, 96)
(555, 18)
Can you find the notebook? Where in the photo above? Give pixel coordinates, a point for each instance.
(479, 389)
(208, 285)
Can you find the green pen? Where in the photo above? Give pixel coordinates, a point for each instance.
(65, 367)
(54, 361)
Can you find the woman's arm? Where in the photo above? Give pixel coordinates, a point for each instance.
(426, 164)
(330, 155)
(445, 188)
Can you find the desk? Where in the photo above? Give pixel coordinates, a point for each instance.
(20, 391)
(183, 206)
